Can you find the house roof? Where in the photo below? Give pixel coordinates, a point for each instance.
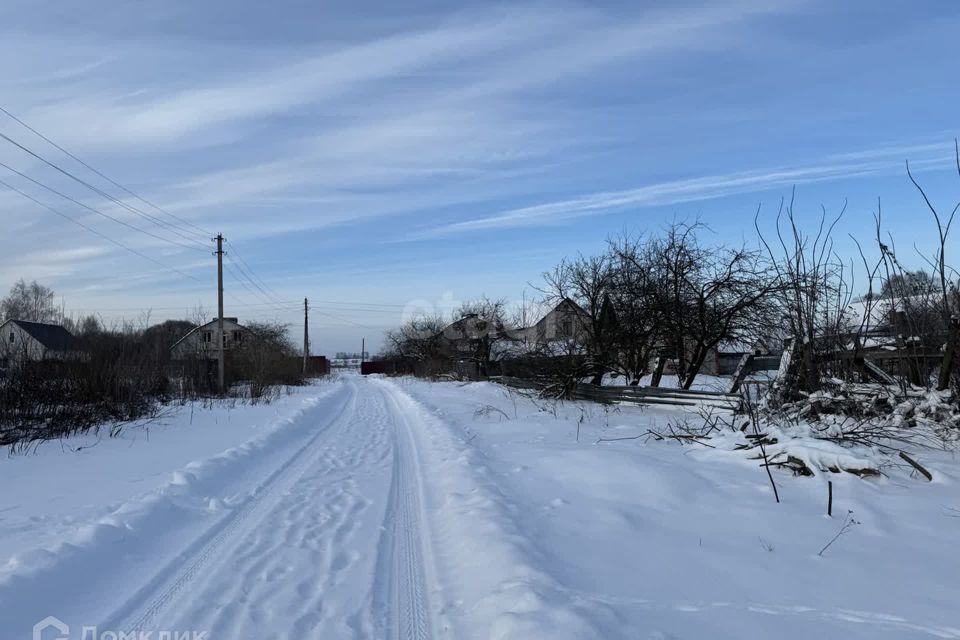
(566, 302)
(52, 336)
(874, 314)
(204, 326)
(468, 327)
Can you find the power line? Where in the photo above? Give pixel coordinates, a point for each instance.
(95, 232)
(160, 223)
(283, 305)
(344, 320)
(366, 304)
(104, 176)
(149, 308)
(263, 294)
(254, 278)
(253, 292)
(96, 211)
(174, 229)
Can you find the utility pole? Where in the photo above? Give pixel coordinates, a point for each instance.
(363, 349)
(306, 337)
(524, 307)
(220, 359)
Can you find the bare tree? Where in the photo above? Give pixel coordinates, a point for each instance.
(482, 330)
(710, 295)
(588, 281)
(908, 283)
(30, 302)
(267, 358)
(814, 290)
(419, 340)
(637, 307)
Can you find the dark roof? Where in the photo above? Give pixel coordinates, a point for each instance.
(51, 336)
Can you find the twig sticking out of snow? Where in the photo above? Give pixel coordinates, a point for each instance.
(849, 524)
(647, 433)
(916, 465)
(753, 417)
(489, 409)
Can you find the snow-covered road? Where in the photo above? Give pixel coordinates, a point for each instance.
(332, 544)
(329, 542)
(405, 509)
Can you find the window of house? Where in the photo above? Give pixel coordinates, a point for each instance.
(566, 328)
(238, 336)
(224, 338)
(13, 337)
(208, 336)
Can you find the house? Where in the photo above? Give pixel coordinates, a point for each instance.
(35, 341)
(886, 323)
(565, 322)
(723, 359)
(201, 342)
(462, 335)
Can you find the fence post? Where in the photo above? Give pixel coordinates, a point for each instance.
(874, 371)
(743, 368)
(780, 382)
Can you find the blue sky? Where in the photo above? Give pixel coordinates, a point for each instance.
(374, 156)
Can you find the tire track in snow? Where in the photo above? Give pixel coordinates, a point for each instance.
(402, 594)
(138, 613)
(283, 561)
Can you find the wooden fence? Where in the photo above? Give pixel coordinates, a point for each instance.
(659, 396)
(638, 395)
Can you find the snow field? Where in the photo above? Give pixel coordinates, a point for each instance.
(399, 508)
(654, 539)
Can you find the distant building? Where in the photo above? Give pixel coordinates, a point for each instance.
(460, 337)
(564, 322)
(35, 341)
(723, 359)
(201, 342)
(345, 362)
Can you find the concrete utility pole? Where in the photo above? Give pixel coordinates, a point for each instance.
(220, 359)
(363, 350)
(306, 337)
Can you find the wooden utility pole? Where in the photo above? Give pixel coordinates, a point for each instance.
(306, 337)
(363, 350)
(220, 359)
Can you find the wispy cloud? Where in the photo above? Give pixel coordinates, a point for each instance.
(849, 165)
(383, 123)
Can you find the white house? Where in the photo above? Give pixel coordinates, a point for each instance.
(34, 341)
(201, 342)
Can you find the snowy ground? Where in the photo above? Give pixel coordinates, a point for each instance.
(374, 508)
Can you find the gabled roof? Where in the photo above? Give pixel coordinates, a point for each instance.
(470, 326)
(567, 303)
(50, 336)
(212, 323)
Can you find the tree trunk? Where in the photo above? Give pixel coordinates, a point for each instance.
(696, 363)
